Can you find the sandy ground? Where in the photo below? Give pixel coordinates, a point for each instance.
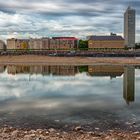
(67, 60)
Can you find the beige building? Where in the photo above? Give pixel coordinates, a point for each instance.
(11, 43)
(39, 44)
(106, 42)
(35, 44)
(56, 43)
(17, 44)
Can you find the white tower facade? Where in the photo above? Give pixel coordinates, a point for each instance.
(129, 27)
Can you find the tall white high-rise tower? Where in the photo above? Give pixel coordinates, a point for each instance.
(129, 27)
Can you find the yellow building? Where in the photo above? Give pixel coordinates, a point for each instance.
(105, 70)
(106, 42)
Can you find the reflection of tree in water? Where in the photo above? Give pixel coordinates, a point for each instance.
(83, 69)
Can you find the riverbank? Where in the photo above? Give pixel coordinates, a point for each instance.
(47, 60)
(10, 133)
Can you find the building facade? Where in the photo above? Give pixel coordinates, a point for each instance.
(45, 43)
(2, 45)
(129, 27)
(44, 70)
(35, 44)
(55, 43)
(17, 44)
(39, 43)
(64, 43)
(105, 70)
(105, 42)
(11, 43)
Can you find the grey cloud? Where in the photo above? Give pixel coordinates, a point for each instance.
(6, 10)
(63, 16)
(64, 7)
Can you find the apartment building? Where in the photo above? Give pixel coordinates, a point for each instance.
(106, 42)
(129, 27)
(17, 44)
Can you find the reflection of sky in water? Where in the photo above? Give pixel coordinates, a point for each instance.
(137, 85)
(65, 94)
(19, 86)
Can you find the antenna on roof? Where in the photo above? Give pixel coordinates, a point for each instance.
(129, 5)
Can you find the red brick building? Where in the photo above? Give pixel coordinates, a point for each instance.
(65, 43)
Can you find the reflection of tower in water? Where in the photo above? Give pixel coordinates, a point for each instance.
(129, 84)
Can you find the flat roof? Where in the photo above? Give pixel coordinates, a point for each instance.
(105, 38)
(65, 38)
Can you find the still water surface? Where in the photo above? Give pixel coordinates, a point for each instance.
(100, 96)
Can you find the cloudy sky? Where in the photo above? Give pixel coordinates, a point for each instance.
(37, 18)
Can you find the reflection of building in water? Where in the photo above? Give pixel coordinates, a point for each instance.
(44, 70)
(63, 70)
(113, 71)
(105, 70)
(66, 70)
(2, 68)
(35, 69)
(12, 69)
(129, 84)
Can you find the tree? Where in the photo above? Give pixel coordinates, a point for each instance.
(137, 46)
(83, 44)
(83, 69)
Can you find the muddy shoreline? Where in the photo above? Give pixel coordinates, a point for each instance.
(48, 60)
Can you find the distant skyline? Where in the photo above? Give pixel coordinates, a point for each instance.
(79, 18)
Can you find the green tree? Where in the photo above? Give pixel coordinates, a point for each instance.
(83, 44)
(83, 69)
(137, 46)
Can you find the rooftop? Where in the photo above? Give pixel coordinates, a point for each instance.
(130, 8)
(105, 38)
(65, 38)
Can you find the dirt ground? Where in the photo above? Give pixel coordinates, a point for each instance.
(67, 60)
